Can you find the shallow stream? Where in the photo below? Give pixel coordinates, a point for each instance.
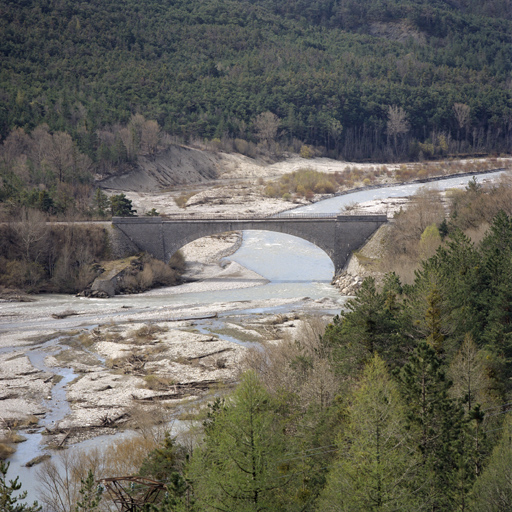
(294, 268)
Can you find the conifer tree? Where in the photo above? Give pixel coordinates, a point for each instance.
(376, 459)
(121, 206)
(369, 325)
(90, 494)
(436, 423)
(243, 465)
(493, 490)
(9, 502)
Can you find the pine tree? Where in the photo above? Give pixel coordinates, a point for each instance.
(121, 206)
(493, 490)
(165, 464)
(243, 465)
(90, 495)
(101, 202)
(436, 423)
(377, 461)
(8, 502)
(496, 294)
(369, 325)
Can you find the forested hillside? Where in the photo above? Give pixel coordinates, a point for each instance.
(362, 79)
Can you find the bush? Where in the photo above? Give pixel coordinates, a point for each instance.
(6, 451)
(306, 152)
(181, 200)
(146, 273)
(241, 146)
(303, 183)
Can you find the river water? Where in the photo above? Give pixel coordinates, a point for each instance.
(294, 268)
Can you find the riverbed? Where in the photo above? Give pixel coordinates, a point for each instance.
(286, 277)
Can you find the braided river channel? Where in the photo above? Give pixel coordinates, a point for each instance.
(297, 275)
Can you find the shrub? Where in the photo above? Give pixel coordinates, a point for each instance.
(6, 451)
(306, 152)
(181, 200)
(242, 146)
(158, 382)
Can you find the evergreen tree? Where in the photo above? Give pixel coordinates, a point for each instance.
(369, 325)
(436, 424)
(493, 490)
(165, 464)
(121, 206)
(243, 465)
(101, 202)
(496, 293)
(8, 502)
(377, 461)
(90, 495)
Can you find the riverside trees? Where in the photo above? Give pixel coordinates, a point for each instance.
(405, 436)
(413, 413)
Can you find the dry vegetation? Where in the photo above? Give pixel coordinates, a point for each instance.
(297, 366)
(418, 231)
(9, 436)
(305, 183)
(35, 256)
(181, 200)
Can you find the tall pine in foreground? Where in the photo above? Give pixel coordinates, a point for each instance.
(376, 460)
(243, 465)
(435, 422)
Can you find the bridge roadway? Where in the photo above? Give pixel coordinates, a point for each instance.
(337, 235)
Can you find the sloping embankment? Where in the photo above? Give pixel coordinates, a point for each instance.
(177, 165)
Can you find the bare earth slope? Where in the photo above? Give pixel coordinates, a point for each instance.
(177, 165)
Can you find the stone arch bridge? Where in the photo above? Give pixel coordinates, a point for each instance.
(337, 235)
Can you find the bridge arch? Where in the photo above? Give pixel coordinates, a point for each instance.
(337, 236)
(278, 256)
(197, 230)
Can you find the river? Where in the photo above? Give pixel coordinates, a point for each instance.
(294, 268)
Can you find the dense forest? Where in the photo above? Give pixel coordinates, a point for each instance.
(362, 79)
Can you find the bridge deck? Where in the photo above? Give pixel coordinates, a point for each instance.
(245, 218)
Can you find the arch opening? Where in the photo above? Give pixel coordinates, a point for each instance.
(278, 257)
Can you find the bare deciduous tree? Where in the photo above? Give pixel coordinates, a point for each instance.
(335, 130)
(300, 366)
(14, 145)
(141, 136)
(31, 230)
(461, 112)
(150, 137)
(60, 154)
(266, 125)
(397, 123)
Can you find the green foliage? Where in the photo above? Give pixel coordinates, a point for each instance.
(493, 490)
(165, 464)
(90, 494)
(369, 325)
(101, 202)
(121, 206)
(243, 465)
(329, 70)
(436, 425)
(376, 462)
(8, 502)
